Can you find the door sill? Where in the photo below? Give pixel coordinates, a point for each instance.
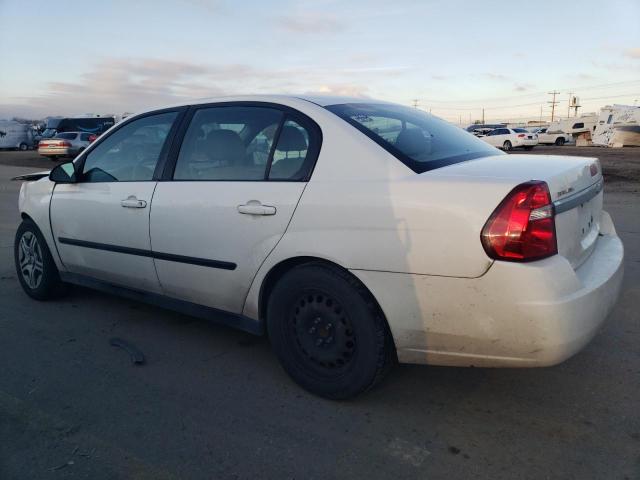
(214, 315)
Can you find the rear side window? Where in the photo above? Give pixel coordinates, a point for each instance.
(228, 143)
(247, 143)
(85, 136)
(290, 155)
(418, 139)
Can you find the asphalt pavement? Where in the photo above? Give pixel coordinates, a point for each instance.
(211, 402)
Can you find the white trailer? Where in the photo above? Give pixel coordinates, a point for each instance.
(15, 135)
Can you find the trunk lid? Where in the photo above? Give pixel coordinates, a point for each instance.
(575, 184)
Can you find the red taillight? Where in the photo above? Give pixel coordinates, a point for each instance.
(521, 135)
(64, 144)
(523, 227)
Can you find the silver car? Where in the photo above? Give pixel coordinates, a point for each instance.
(66, 144)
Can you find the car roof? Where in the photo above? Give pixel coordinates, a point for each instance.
(322, 100)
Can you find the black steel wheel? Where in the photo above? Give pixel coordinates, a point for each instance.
(328, 332)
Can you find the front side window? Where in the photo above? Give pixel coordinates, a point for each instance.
(419, 140)
(578, 125)
(131, 153)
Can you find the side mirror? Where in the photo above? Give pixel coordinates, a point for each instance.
(64, 173)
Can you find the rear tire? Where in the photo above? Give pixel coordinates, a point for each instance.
(23, 147)
(328, 332)
(37, 272)
(507, 147)
(559, 141)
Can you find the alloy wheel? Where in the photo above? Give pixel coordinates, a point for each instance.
(30, 260)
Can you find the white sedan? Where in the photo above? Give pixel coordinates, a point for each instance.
(354, 232)
(509, 138)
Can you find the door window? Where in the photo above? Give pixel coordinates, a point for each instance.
(228, 143)
(291, 153)
(131, 153)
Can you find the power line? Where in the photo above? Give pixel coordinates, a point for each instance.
(502, 107)
(541, 93)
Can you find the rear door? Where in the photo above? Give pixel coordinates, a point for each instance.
(227, 200)
(101, 223)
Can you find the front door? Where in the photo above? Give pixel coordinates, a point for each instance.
(101, 223)
(237, 180)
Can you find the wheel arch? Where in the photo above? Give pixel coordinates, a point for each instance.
(278, 270)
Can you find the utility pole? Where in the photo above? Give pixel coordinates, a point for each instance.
(540, 114)
(553, 103)
(483, 115)
(415, 102)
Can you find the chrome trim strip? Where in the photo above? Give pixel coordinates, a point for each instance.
(579, 198)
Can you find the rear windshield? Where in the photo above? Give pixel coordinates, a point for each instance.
(67, 136)
(520, 130)
(419, 140)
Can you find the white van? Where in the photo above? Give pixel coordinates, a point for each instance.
(15, 135)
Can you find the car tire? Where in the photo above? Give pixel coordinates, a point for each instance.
(23, 147)
(328, 332)
(37, 272)
(507, 146)
(559, 141)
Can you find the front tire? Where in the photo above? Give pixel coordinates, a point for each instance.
(327, 331)
(507, 146)
(37, 272)
(559, 141)
(23, 147)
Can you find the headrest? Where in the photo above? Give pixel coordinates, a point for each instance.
(225, 145)
(291, 140)
(413, 142)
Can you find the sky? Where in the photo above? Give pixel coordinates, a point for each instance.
(453, 57)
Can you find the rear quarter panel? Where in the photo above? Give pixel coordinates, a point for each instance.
(365, 210)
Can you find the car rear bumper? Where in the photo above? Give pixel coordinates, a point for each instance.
(58, 151)
(515, 315)
(526, 142)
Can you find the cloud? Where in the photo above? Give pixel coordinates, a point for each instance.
(632, 53)
(342, 89)
(496, 76)
(311, 23)
(522, 87)
(582, 76)
(118, 85)
(440, 77)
